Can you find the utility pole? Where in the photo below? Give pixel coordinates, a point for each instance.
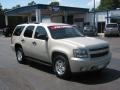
(94, 14)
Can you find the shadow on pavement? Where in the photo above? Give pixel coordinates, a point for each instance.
(89, 78)
(40, 67)
(105, 76)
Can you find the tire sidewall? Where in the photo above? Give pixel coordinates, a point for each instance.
(67, 68)
(20, 50)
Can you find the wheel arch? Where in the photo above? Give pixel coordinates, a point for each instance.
(17, 45)
(58, 53)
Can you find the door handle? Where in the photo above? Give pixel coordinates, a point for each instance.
(34, 43)
(22, 40)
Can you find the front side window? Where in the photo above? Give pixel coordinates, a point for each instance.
(64, 31)
(29, 31)
(40, 31)
(18, 30)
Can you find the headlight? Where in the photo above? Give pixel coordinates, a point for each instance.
(80, 53)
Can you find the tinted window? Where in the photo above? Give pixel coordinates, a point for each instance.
(28, 32)
(18, 30)
(60, 32)
(111, 25)
(39, 31)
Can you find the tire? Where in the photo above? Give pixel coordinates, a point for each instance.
(105, 35)
(20, 55)
(119, 34)
(61, 67)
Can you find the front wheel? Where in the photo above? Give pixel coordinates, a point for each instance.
(20, 55)
(61, 67)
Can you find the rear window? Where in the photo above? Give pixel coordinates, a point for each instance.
(112, 25)
(18, 30)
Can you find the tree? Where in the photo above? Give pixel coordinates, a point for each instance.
(17, 6)
(0, 7)
(31, 3)
(109, 4)
(115, 4)
(55, 3)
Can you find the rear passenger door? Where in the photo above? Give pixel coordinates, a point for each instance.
(26, 40)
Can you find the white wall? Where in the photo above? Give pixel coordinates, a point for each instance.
(79, 16)
(46, 19)
(56, 19)
(101, 16)
(114, 12)
(89, 18)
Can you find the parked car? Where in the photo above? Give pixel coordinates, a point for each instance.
(89, 30)
(60, 45)
(8, 30)
(112, 29)
(79, 28)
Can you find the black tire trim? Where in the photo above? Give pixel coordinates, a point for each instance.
(67, 73)
(23, 56)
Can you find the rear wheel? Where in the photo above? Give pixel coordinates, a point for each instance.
(61, 67)
(20, 55)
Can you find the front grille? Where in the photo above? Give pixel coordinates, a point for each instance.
(100, 48)
(99, 51)
(99, 54)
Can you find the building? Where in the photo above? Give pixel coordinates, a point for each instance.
(102, 18)
(65, 14)
(48, 13)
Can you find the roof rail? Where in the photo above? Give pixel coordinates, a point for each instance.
(32, 23)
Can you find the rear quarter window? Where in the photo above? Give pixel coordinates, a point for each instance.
(18, 30)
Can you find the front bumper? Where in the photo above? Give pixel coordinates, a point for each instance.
(13, 47)
(89, 64)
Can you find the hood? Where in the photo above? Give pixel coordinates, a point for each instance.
(85, 41)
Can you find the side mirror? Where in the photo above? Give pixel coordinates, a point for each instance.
(43, 37)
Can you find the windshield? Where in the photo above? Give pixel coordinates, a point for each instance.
(64, 31)
(111, 25)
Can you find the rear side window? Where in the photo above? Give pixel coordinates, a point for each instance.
(29, 31)
(18, 30)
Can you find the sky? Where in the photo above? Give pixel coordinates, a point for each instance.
(73, 3)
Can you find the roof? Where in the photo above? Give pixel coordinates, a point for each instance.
(28, 9)
(43, 24)
(105, 10)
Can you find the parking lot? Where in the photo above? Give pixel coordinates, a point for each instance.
(32, 76)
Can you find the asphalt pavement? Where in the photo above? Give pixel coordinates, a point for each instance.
(33, 76)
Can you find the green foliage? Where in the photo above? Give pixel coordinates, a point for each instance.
(115, 4)
(31, 3)
(55, 3)
(0, 7)
(109, 4)
(17, 6)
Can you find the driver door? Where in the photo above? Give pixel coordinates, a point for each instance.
(40, 46)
